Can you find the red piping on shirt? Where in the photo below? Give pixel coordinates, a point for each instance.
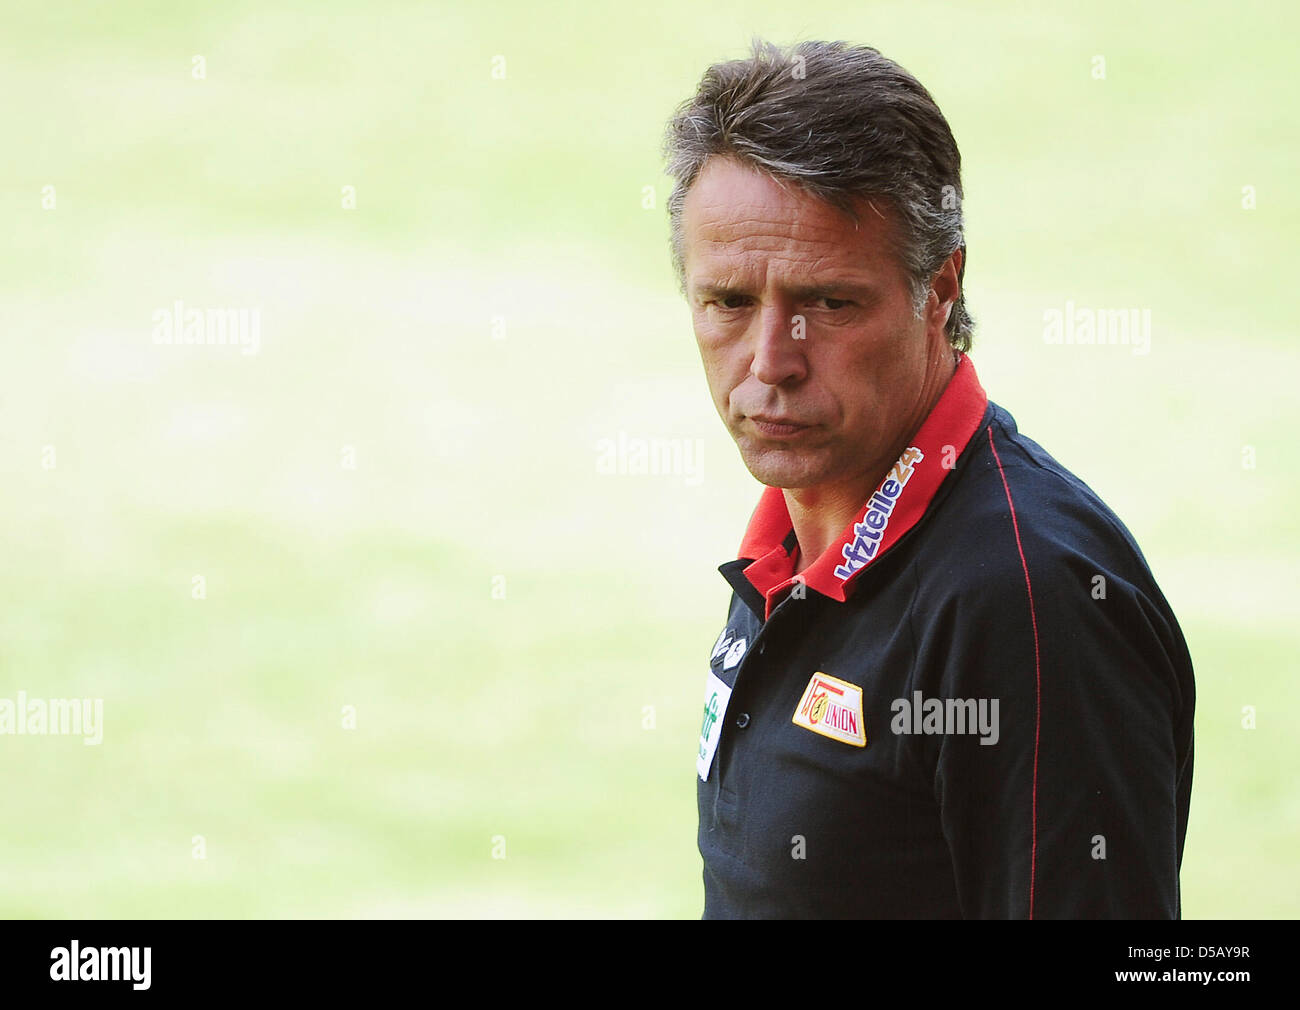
(1038, 681)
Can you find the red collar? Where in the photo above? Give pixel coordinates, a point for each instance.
(895, 507)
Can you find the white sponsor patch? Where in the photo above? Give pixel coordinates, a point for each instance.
(716, 696)
(833, 708)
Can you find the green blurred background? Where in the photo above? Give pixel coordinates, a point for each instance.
(498, 302)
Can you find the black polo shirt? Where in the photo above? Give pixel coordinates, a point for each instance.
(977, 703)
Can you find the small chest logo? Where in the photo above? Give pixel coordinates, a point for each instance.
(722, 644)
(734, 653)
(833, 708)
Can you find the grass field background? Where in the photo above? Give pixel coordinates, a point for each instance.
(498, 302)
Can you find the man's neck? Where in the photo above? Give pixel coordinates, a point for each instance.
(819, 515)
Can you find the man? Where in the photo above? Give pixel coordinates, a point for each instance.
(948, 685)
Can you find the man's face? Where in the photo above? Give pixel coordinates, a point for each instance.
(830, 404)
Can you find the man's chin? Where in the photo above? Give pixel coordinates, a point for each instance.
(784, 468)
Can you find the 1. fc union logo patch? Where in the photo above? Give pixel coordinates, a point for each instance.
(833, 708)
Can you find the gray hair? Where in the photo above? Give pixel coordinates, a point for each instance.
(844, 122)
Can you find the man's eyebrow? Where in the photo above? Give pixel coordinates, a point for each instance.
(714, 289)
(833, 289)
(822, 289)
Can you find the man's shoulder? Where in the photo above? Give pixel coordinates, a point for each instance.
(1017, 527)
(1013, 506)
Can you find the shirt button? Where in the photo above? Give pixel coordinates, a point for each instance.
(742, 720)
(762, 647)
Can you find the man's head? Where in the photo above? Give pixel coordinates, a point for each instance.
(817, 235)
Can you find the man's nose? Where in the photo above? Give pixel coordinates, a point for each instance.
(778, 347)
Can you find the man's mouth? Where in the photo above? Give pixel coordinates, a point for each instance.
(777, 427)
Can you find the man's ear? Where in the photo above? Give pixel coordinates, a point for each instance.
(946, 285)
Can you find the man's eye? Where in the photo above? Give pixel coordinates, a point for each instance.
(731, 303)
